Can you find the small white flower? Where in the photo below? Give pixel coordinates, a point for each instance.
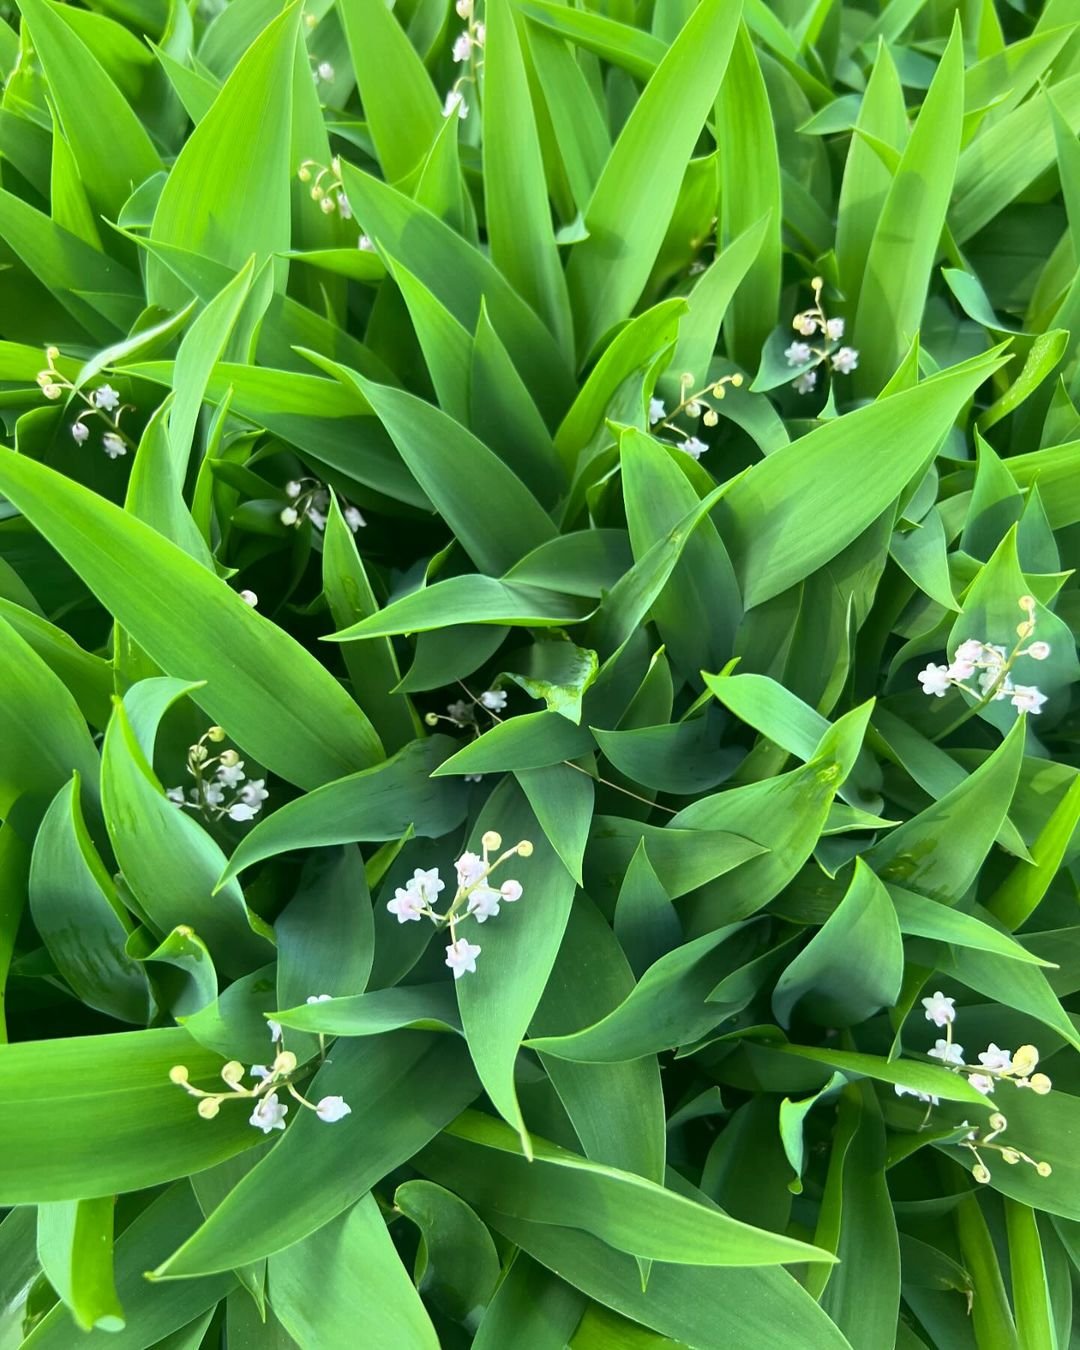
(460, 712)
(241, 812)
(993, 1057)
(462, 47)
(970, 652)
(693, 447)
(935, 680)
(318, 998)
(51, 390)
(354, 519)
(960, 671)
(470, 868)
(845, 360)
(493, 699)
(806, 382)
(981, 1082)
(1026, 698)
(693, 409)
(113, 445)
(947, 1051)
(990, 677)
(332, 1108)
(80, 432)
(461, 957)
(834, 329)
(269, 1114)
(474, 778)
(797, 354)
(697, 267)
(289, 516)
(106, 397)
(344, 209)
(261, 1072)
(325, 71)
(657, 411)
(455, 103)
(254, 793)
(249, 598)
(427, 885)
(275, 1029)
(464, 8)
(365, 245)
(232, 775)
(993, 657)
(1038, 651)
(175, 795)
(484, 903)
(511, 891)
(805, 324)
(317, 518)
(406, 904)
(214, 795)
(293, 489)
(480, 34)
(939, 1009)
(902, 1091)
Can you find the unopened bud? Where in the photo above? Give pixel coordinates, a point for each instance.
(216, 734)
(178, 1073)
(1043, 1168)
(524, 849)
(491, 839)
(208, 1108)
(432, 719)
(229, 759)
(1027, 602)
(284, 1062)
(1010, 1155)
(981, 1173)
(53, 353)
(736, 380)
(198, 753)
(997, 1122)
(1040, 1084)
(1024, 1060)
(232, 1072)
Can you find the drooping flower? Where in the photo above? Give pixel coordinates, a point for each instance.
(105, 398)
(274, 1029)
(289, 515)
(1039, 651)
(325, 71)
(470, 868)
(427, 885)
(464, 8)
(460, 712)
(693, 447)
(948, 1052)
(331, 1109)
(493, 699)
(113, 445)
(834, 329)
(318, 998)
(254, 793)
(805, 383)
(231, 774)
(455, 103)
(365, 245)
(484, 903)
(511, 891)
(845, 360)
(902, 1091)
(993, 1057)
(176, 795)
(250, 598)
(657, 411)
(269, 1113)
(939, 1009)
(406, 904)
(981, 1082)
(935, 680)
(353, 518)
(242, 813)
(461, 957)
(798, 353)
(1026, 698)
(80, 432)
(461, 48)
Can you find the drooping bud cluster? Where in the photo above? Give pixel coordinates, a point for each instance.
(102, 403)
(825, 335)
(995, 1066)
(692, 405)
(269, 1111)
(475, 897)
(308, 499)
(221, 787)
(326, 186)
(989, 666)
(467, 51)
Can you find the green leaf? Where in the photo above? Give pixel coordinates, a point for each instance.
(483, 1158)
(457, 1266)
(628, 213)
(382, 1309)
(75, 1248)
(853, 965)
(302, 726)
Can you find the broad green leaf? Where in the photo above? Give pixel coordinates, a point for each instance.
(645, 921)
(532, 1309)
(457, 1266)
(931, 919)
(852, 966)
(227, 195)
(75, 1247)
(629, 211)
(483, 1158)
(1031, 1296)
(528, 742)
(1018, 896)
(302, 725)
(561, 797)
(798, 508)
(382, 1309)
(909, 1073)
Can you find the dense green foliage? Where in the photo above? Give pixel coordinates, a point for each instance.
(629, 449)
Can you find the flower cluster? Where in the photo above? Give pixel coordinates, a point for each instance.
(221, 787)
(309, 500)
(474, 898)
(325, 180)
(467, 49)
(989, 666)
(811, 323)
(995, 1065)
(269, 1111)
(102, 402)
(693, 404)
(462, 713)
